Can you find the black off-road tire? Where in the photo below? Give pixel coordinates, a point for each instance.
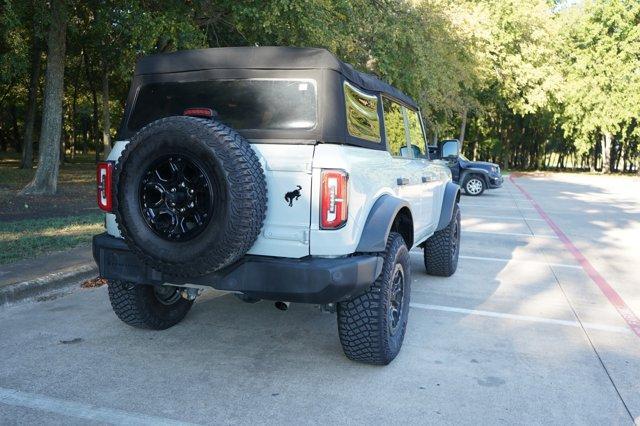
(442, 249)
(474, 185)
(363, 321)
(231, 165)
(139, 306)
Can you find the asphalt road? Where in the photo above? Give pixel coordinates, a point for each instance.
(527, 331)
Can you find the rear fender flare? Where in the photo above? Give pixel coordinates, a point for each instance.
(379, 222)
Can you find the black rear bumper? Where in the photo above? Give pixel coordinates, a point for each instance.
(306, 280)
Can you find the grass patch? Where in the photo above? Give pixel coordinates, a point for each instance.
(14, 178)
(28, 238)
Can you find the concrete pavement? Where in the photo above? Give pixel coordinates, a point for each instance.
(521, 334)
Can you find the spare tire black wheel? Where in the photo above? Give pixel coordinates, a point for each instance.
(191, 195)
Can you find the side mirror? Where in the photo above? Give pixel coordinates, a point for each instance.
(450, 149)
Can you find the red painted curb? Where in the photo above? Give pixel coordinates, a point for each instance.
(614, 298)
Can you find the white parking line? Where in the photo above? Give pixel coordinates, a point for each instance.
(502, 217)
(505, 260)
(79, 410)
(497, 206)
(512, 234)
(533, 262)
(592, 326)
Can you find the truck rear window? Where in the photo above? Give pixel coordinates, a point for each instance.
(243, 104)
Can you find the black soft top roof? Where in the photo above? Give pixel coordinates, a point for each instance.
(265, 58)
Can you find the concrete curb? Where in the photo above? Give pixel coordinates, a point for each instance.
(13, 293)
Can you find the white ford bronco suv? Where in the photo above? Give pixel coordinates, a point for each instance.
(273, 173)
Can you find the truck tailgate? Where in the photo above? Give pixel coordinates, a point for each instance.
(287, 168)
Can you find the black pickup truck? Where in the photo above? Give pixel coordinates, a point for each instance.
(473, 176)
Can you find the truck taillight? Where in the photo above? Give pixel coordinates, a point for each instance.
(103, 179)
(333, 199)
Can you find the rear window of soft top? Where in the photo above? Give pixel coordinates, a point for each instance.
(243, 104)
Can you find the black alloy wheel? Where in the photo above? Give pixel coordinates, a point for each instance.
(455, 236)
(177, 199)
(394, 312)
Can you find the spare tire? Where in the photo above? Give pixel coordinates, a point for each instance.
(191, 195)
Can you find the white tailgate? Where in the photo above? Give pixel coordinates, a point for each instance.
(285, 232)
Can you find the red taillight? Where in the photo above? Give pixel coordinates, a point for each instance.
(333, 199)
(103, 179)
(199, 112)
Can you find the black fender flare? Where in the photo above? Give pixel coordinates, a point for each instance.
(379, 222)
(474, 171)
(450, 198)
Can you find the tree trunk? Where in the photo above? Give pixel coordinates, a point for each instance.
(619, 156)
(32, 105)
(45, 180)
(106, 116)
(463, 127)
(435, 135)
(85, 135)
(14, 127)
(94, 101)
(606, 152)
(63, 137)
(74, 108)
(94, 122)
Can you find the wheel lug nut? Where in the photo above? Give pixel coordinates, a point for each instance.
(182, 209)
(173, 190)
(191, 191)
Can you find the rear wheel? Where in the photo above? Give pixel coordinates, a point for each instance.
(147, 306)
(474, 185)
(372, 325)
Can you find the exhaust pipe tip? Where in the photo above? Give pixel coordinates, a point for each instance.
(282, 306)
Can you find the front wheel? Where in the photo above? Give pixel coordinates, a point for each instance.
(147, 306)
(372, 325)
(442, 249)
(474, 186)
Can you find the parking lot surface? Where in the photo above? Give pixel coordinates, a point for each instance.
(526, 331)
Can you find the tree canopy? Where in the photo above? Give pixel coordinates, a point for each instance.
(527, 83)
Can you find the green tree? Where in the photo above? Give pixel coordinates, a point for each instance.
(46, 177)
(601, 58)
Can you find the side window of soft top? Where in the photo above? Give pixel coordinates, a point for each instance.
(394, 128)
(418, 142)
(362, 114)
(403, 130)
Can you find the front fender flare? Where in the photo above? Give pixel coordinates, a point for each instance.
(473, 171)
(449, 200)
(378, 225)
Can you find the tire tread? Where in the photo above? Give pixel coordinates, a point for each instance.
(437, 250)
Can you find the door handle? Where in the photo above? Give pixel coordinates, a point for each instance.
(402, 181)
(425, 179)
